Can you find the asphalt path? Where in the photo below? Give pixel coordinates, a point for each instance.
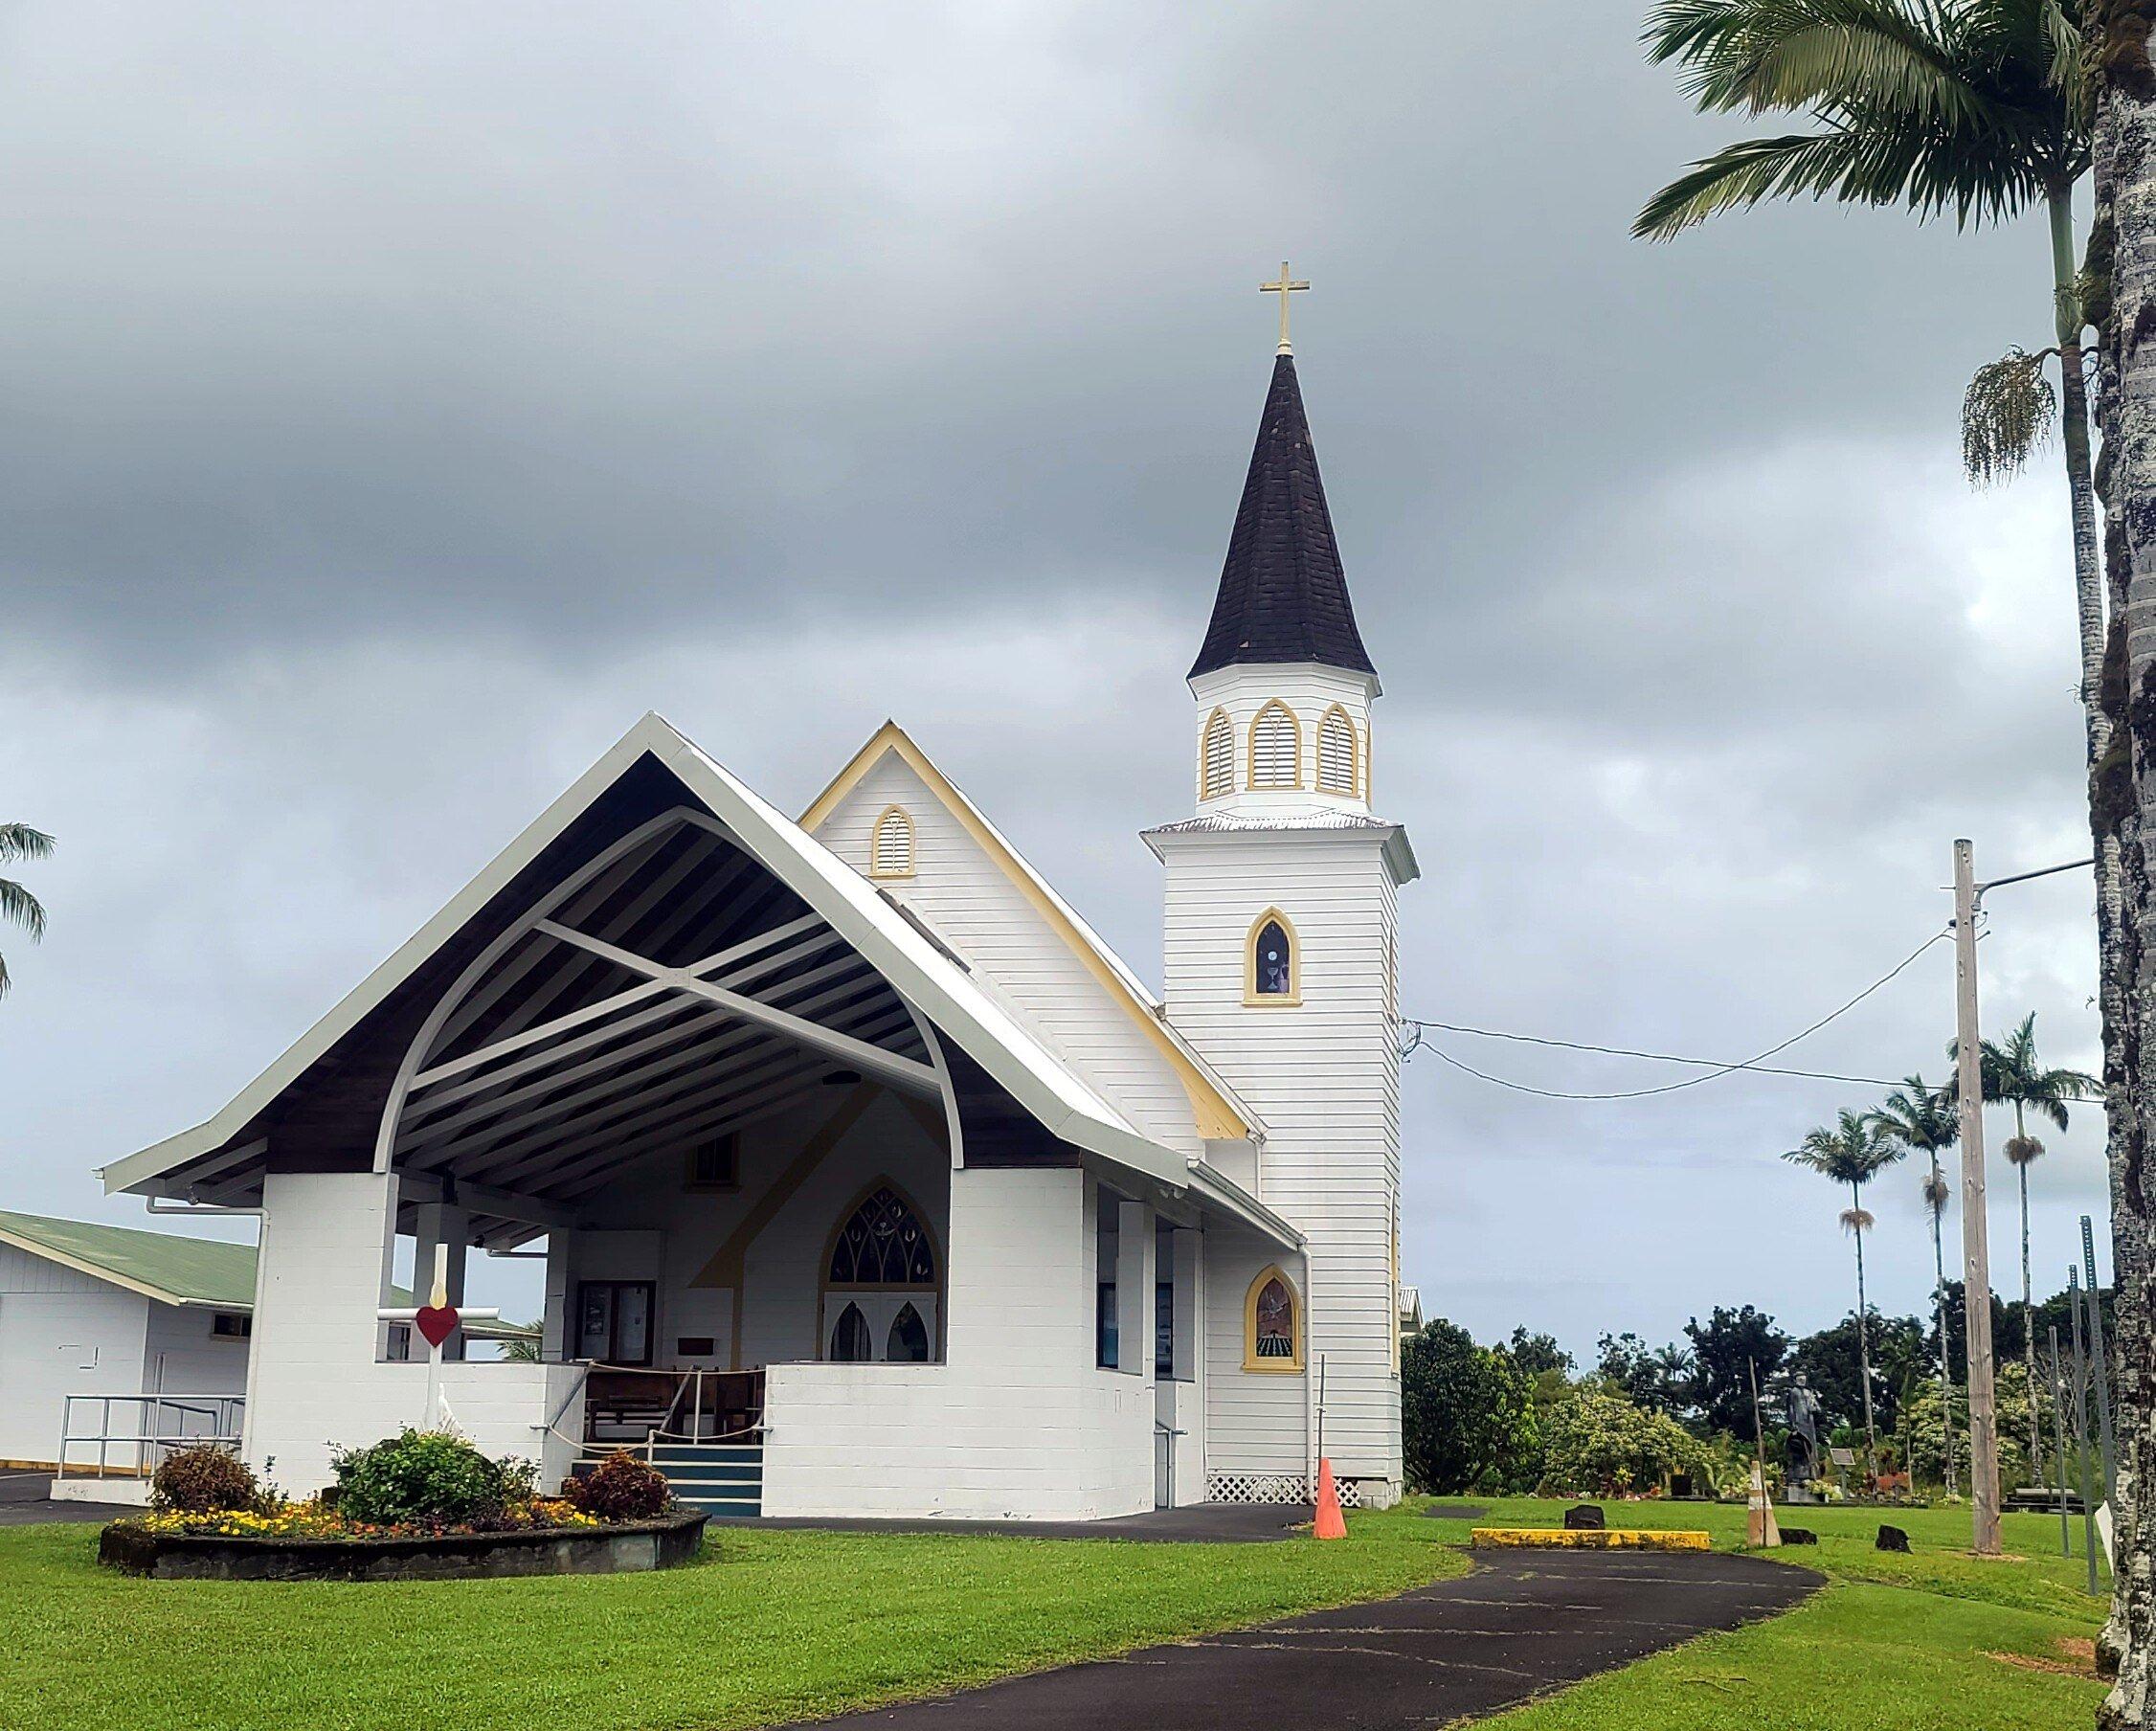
(1523, 1623)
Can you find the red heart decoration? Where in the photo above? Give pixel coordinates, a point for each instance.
(435, 1321)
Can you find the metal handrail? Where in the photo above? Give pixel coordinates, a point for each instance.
(148, 1440)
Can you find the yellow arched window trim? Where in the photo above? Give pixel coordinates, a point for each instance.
(1275, 1366)
(1252, 998)
(1217, 726)
(904, 818)
(1354, 754)
(1270, 706)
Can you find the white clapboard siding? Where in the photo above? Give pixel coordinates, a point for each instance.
(1255, 1421)
(1015, 956)
(1324, 1075)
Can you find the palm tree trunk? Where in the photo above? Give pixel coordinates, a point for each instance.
(2029, 1318)
(1939, 1316)
(2123, 795)
(1864, 1349)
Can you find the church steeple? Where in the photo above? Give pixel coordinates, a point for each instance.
(1283, 596)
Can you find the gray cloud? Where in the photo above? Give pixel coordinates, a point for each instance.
(401, 401)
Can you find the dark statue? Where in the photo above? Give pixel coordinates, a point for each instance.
(1803, 1446)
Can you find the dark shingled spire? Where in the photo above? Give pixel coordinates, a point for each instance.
(1283, 596)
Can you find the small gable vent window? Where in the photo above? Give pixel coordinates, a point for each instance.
(1216, 774)
(1336, 754)
(1274, 972)
(890, 849)
(1276, 747)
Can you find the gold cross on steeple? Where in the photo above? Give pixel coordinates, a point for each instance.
(1283, 288)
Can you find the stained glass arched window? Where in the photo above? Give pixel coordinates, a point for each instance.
(909, 1342)
(882, 1243)
(1272, 1324)
(1272, 970)
(849, 1338)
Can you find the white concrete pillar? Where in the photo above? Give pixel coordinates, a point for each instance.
(322, 1276)
(1133, 1287)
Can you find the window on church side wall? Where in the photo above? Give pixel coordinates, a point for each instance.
(890, 849)
(849, 1338)
(1274, 974)
(882, 1243)
(1216, 772)
(1272, 1324)
(1276, 747)
(1336, 754)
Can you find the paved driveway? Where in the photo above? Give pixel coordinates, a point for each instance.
(23, 1502)
(1524, 1622)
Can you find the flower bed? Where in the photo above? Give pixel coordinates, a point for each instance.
(420, 1505)
(300, 1547)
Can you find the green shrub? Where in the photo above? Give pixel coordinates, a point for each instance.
(1599, 1442)
(620, 1488)
(422, 1477)
(204, 1480)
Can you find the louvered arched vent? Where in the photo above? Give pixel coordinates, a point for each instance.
(890, 849)
(1336, 754)
(1276, 747)
(1216, 768)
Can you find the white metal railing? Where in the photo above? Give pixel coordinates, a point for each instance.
(149, 1426)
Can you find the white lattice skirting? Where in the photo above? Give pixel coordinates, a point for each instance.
(1274, 1487)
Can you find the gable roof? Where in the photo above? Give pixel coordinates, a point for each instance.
(1220, 1114)
(906, 955)
(171, 1268)
(1283, 596)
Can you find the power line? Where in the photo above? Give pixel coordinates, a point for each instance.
(1715, 1071)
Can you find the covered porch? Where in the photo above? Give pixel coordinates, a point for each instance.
(801, 1185)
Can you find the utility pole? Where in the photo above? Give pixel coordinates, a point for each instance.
(2096, 1361)
(1976, 1250)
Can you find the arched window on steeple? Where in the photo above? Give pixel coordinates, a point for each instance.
(1276, 747)
(1216, 757)
(1336, 754)
(890, 846)
(1272, 963)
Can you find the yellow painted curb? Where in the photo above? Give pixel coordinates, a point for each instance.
(1608, 1539)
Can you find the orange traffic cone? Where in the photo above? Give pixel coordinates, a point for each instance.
(1330, 1524)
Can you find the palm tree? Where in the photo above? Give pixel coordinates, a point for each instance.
(1852, 1152)
(20, 841)
(1922, 1118)
(2014, 1075)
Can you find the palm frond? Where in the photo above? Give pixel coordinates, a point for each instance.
(1857, 1220)
(18, 906)
(2022, 1150)
(2007, 412)
(20, 841)
(1937, 1193)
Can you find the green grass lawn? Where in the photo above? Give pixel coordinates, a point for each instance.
(1893, 1643)
(773, 1625)
(780, 1625)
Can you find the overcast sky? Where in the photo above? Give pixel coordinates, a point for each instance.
(399, 400)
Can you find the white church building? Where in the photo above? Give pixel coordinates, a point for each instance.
(867, 1180)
